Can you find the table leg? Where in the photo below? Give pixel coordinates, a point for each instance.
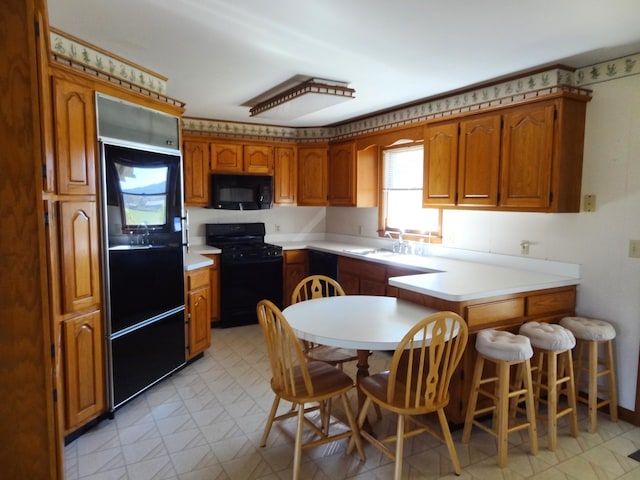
(363, 371)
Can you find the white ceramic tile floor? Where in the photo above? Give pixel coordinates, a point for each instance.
(206, 421)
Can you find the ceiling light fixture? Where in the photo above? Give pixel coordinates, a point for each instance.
(309, 96)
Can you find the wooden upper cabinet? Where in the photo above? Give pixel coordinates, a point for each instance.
(440, 164)
(527, 152)
(84, 378)
(526, 157)
(341, 170)
(258, 159)
(479, 161)
(353, 175)
(312, 176)
(196, 173)
(79, 255)
(226, 157)
(74, 137)
(285, 175)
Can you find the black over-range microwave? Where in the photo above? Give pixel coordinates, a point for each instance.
(241, 192)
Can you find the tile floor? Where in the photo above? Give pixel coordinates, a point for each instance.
(205, 422)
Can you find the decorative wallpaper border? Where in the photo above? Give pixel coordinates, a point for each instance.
(609, 70)
(95, 58)
(68, 49)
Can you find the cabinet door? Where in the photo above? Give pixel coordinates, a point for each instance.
(285, 175)
(527, 150)
(196, 173)
(479, 161)
(440, 164)
(83, 369)
(75, 138)
(199, 336)
(312, 176)
(296, 267)
(341, 166)
(258, 159)
(226, 157)
(79, 255)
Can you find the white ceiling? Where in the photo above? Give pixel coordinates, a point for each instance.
(218, 54)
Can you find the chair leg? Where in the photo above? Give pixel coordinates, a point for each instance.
(530, 407)
(272, 415)
(297, 455)
(502, 416)
(399, 448)
(552, 400)
(592, 397)
(473, 400)
(355, 431)
(571, 396)
(611, 382)
(444, 425)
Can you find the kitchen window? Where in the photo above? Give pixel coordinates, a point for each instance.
(401, 203)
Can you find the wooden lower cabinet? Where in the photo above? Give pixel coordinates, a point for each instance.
(198, 325)
(214, 288)
(506, 312)
(83, 367)
(296, 267)
(362, 277)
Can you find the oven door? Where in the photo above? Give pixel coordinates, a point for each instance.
(243, 284)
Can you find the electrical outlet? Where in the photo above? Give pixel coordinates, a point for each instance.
(359, 229)
(277, 228)
(524, 247)
(634, 248)
(589, 203)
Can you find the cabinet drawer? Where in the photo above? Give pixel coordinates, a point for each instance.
(295, 256)
(488, 313)
(551, 302)
(198, 278)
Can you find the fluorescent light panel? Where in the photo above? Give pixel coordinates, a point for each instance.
(307, 97)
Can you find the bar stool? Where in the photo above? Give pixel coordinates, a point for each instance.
(590, 333)
(504, 350)
(552, 344)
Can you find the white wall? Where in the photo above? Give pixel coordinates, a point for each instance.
(598, 241)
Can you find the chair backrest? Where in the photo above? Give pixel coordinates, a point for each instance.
(425, 360)
(316, 286)
(284, 350)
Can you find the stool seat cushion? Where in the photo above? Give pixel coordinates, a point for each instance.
(506, 346)
(548, 336)
(589, 328)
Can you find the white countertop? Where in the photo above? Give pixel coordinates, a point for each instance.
(193, 261)
(452, 279)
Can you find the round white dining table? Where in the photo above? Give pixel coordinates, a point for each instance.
(360, 322)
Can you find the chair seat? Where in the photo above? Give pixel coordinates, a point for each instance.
(328, 381)
(590, 329)
(331, 355)
(376, 386)
(548, 336)
(501, 345)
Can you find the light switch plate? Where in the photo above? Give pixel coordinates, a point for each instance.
(589, 203)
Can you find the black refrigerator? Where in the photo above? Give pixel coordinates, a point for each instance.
(143, 265)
